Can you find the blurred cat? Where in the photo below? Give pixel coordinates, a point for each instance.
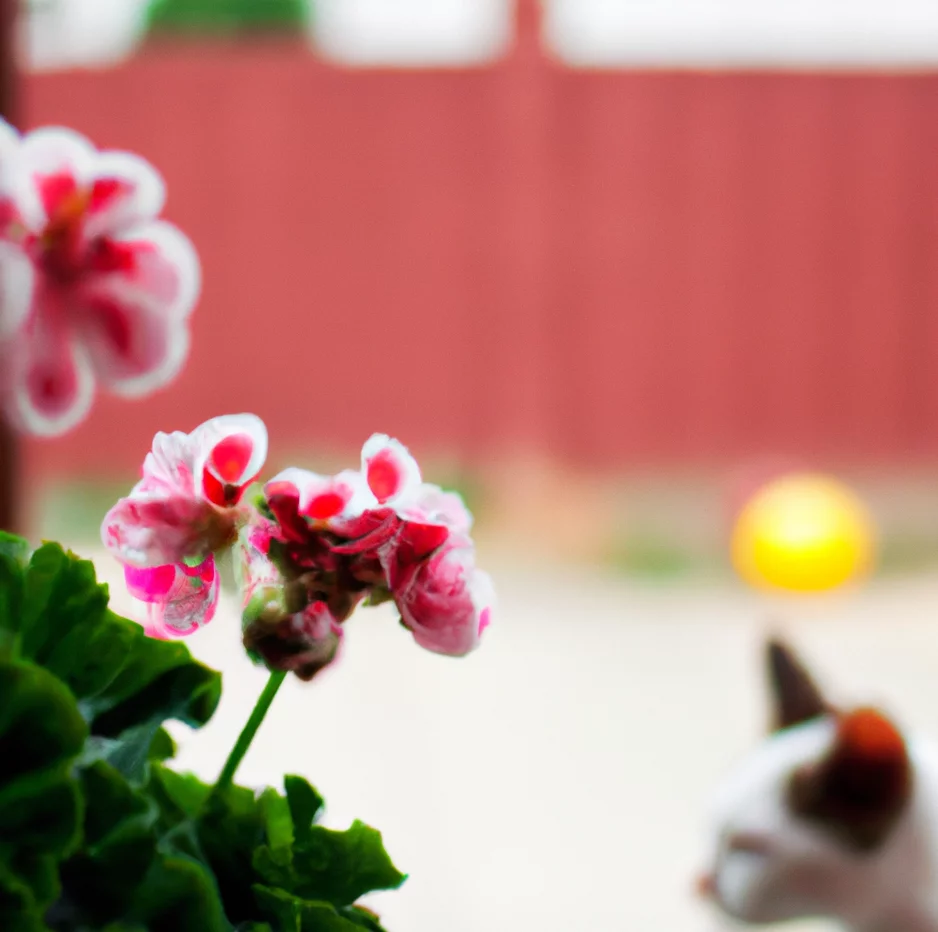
(835, 816)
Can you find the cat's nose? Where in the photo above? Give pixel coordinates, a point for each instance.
(705, 885)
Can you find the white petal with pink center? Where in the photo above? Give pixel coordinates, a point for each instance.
(131, 311)
(51, 381)
(53, 165)
(391, 472)
(323, 498)
(230, 451)
(183, 506)
(167, 274)
(126, 190)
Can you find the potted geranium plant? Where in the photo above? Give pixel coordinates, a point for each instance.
(97, 831)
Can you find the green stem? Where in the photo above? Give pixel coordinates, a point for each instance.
(248, 732)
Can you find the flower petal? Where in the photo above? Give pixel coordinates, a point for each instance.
(170, 464)
(367, 533)
(52, 382)
(283, 498)
(126, 190)
(150, 584)
(134, 348)
(151, 530)
(17, 288)
(58, 162)
(447, 603)
(230, 452)
(166, 273)
(432, 505)
(391, 472)
(339, 498)
(402, 557)
(190, 603)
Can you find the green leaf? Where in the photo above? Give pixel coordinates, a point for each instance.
(13, 554)
(119, 844)
(20, 910)
(362, 917)
(222, 833)
(14, 547)
(162, 747)
(29, 882)
(337, 867)
(41, 733)
(295, 914)
(39, 871)
(278, 821)
(61, 592)
(92, 652)
(127, 684)
(178, 895)
(159, 680)
(185, 791)
(342, 866)
(306, 805)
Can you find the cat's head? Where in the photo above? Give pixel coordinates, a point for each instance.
(801, 822)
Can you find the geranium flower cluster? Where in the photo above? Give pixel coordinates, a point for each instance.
(94, 288)
(308, 549)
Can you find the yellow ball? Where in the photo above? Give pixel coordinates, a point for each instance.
(804, 533)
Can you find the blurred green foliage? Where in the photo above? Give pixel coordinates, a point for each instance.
(225, 17)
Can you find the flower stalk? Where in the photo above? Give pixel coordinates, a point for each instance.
(241, 746)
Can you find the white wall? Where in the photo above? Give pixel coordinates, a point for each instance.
(591, 33)
(70, 33)
(735, 33)
(414, 32)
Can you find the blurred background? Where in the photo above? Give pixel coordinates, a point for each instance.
(601, 264)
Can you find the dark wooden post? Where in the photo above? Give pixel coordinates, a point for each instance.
(9, 446)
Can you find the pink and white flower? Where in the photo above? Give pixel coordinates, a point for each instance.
(430, 504)
(363, 507)
(179, 599)
(93, 287)
(445, 601)
(391, 473)
(301, 499)
(186, 505)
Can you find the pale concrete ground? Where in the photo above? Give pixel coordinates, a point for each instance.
(556, 780)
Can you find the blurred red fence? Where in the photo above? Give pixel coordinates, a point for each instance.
(611, 266)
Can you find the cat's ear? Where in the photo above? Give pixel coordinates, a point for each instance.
(861, 786)
(796, 698)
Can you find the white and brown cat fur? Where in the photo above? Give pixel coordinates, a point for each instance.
(834, 816)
